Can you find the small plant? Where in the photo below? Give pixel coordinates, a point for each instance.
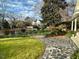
(75, 55)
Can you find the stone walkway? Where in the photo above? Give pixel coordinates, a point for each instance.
(58, 47)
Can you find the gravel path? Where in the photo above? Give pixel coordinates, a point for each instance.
(58, 47)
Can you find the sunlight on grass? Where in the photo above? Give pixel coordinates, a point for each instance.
(21, 48)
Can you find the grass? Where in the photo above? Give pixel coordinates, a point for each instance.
(28, 33)
(20, 48)
(69, 34)
(40, 32)
(43, 32)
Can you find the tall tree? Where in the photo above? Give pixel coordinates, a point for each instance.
(50, 10)
(6, 26)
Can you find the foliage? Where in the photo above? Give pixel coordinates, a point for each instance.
(23, 30)
(6, 26)
(69, 33)
(50, 10)
(15, 35)
(56, 32)
(28, 21)
(42, 32)
(75, 55)
(20, 48)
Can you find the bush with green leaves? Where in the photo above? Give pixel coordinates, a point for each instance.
(56, 32)
(75, 55)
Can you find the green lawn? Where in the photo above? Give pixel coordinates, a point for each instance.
(20, 48)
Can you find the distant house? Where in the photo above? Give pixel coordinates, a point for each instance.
(32, 23)
(75, 17)
(37, 23)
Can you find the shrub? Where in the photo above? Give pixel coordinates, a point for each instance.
(56, 32)
(23, 30)
(75, 55)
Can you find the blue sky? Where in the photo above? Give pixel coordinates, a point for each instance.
(71, 1)
(71, 8)
(25, 8)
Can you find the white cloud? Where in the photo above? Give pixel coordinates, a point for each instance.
(28, 8)
(31, 2)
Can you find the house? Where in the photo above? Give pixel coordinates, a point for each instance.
(75, 17)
